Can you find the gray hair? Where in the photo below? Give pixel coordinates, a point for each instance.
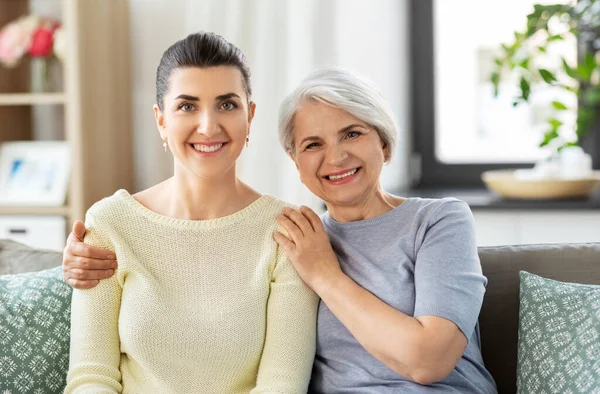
(342, 89)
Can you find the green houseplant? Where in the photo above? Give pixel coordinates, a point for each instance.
(545, 25)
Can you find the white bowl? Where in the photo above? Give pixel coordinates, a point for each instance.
(507, 185)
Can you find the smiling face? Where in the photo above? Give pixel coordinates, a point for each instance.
(205, 120)
(338, 156)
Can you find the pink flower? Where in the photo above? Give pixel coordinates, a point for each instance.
(15, 39)
(43, 40)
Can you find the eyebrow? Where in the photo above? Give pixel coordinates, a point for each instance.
(341, 131)
(187, 97)
(227, 96)
(194, 98)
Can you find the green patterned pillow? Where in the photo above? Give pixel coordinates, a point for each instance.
(35, 315)
(559, 337)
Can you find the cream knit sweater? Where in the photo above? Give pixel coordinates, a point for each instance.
(210, 306)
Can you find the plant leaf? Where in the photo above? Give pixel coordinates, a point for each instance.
(555, 123)
(547, 76)
(495, 78)
(570, 71)
(549, 136)
(567, 144)
(525, 88)
(559, 106)
(587, 66)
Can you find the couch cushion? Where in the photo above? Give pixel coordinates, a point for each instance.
(16, 258)
(34, 332)
(499, 318)
(559, 331)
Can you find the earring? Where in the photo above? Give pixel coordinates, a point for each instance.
(247, 140)
(165, 145)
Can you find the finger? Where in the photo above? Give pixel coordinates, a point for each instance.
(80, 274)
(82, 284)
(79, 230)
(298, 218)
(283, 241)
(312, 217)
(84, 263)
(84, 250)
(291, 228)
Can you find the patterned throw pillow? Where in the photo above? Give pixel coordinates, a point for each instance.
(35, 315)
(559, 337)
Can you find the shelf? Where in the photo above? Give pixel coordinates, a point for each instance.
(32, 98)
(59, 211)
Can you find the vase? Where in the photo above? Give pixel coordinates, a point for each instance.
(43, 75)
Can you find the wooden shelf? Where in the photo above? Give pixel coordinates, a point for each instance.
(59, 211)
(32, 98)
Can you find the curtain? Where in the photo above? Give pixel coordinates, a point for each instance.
(283, 41)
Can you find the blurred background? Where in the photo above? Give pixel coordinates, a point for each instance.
(77, 90)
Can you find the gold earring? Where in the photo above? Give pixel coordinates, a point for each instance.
(247, 140)
(165, 145)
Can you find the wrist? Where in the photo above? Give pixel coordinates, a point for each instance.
(329, 283)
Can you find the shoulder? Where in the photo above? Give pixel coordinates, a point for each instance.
(109, 208)
(272, 206)
(435, 209)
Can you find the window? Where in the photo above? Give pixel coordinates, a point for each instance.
(460, 129)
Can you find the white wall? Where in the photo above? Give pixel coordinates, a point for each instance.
(283, 40)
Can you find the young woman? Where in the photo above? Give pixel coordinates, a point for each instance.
(203, 299)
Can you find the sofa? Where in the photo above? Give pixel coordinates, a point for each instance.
(499, 318)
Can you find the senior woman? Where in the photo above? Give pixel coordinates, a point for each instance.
(400, 280)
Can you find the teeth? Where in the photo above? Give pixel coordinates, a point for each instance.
(205, 148)
(336, 177)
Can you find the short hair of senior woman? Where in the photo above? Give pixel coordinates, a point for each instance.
(399, 279)
(347, 91)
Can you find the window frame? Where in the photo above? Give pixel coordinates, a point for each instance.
(432, 172)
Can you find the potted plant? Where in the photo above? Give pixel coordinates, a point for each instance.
(523, 57)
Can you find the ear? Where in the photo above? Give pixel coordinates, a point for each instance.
(387, 157)
(251, 110)
(160, 122)
(293, 157)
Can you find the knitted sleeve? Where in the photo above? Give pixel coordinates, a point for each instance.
(289, 349)
(95, 346)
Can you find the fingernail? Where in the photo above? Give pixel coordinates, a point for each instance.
(109, 272)
(111, 257)
(114, 265)
(71, 282)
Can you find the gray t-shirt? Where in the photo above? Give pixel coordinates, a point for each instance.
(420, 258)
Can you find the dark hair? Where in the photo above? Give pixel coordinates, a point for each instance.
(202, 49)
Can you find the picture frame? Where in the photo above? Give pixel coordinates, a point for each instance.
(34, 173)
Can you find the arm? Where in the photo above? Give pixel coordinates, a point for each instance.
(85, 265)
(424, 348)
(289, 349)
(95, 345)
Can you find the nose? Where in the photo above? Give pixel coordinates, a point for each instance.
(207, 123)
(336, 155)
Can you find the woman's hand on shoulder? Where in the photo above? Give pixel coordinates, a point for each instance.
(308, 246)
(84, 265)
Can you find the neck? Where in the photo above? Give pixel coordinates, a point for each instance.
(190, 197)
(375, 204)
